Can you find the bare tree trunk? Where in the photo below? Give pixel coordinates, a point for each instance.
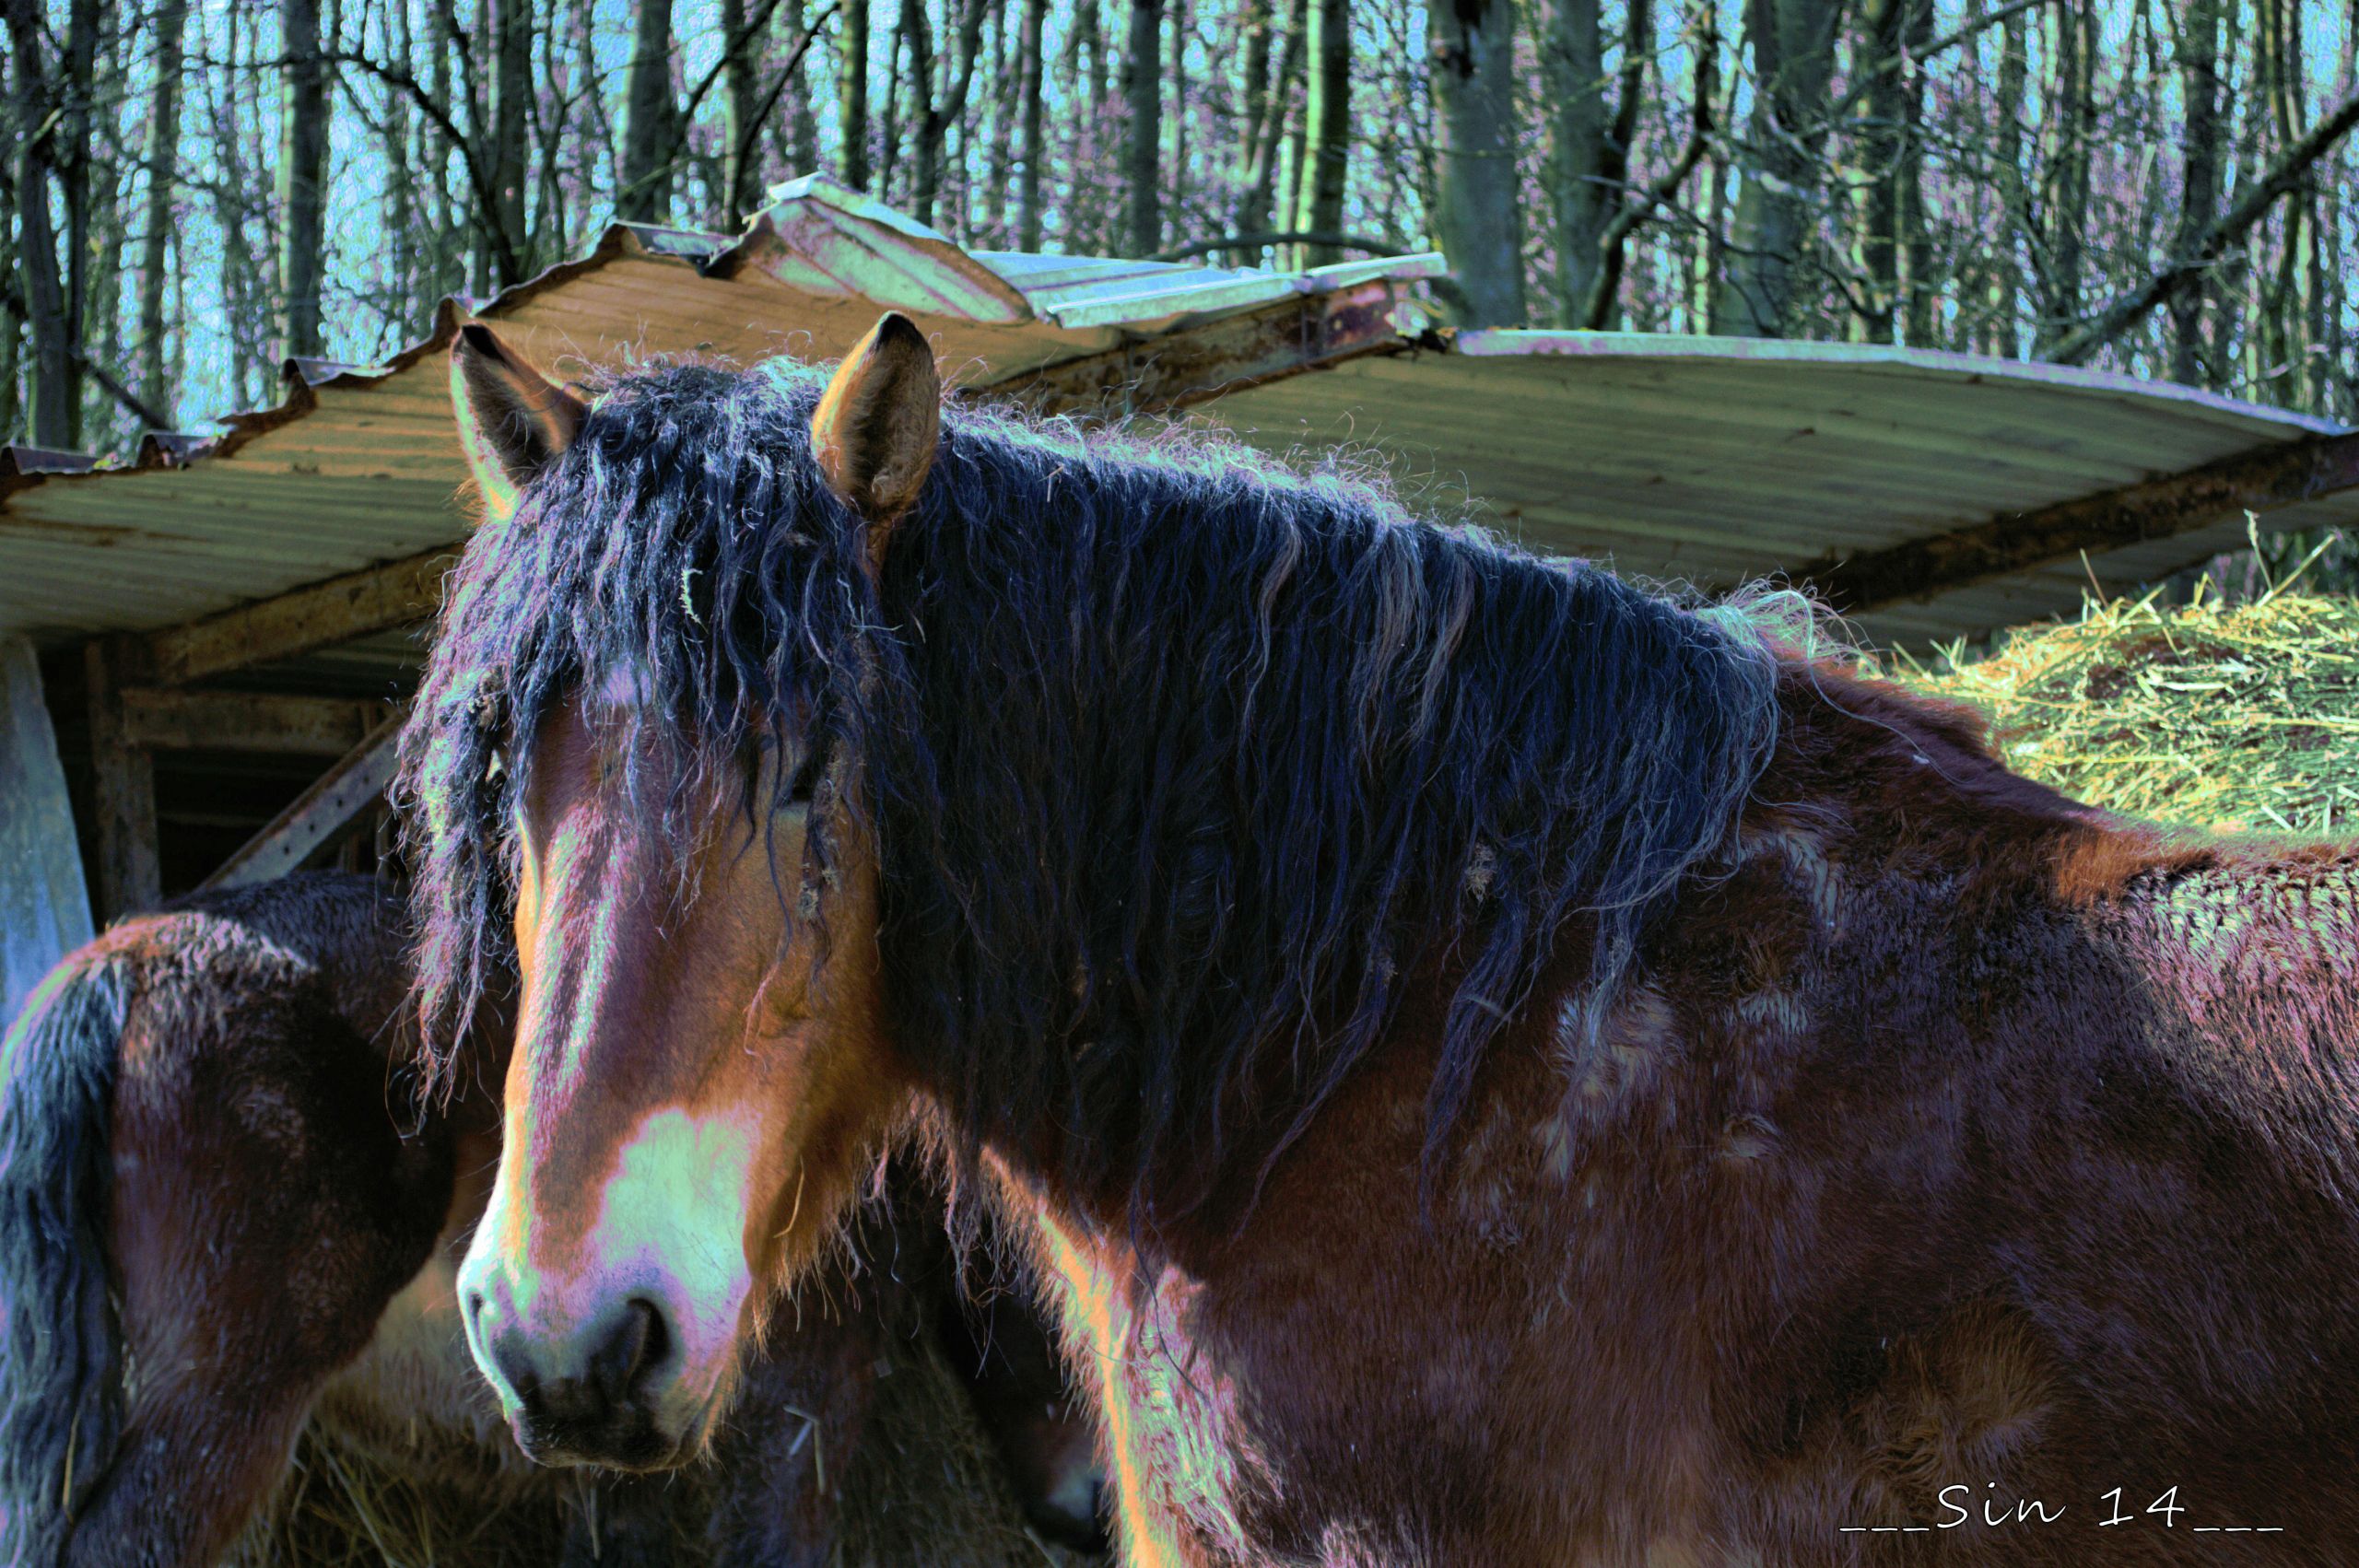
(797, 142)
(852, 79)
(12, 320)
(740, 90)
(1572, 62)
(1478, 216)
(925, 171)
(509, 250)
(1175, 206)
(649, 134)
(302, 177)
(1255, 24)
(2007, 278)
(935, 114)
(2200, 167)
(2072, 111)
(1884, 27)
(56, 379)
(1031, 148)
(1918, 283)
(1143, 144)
(1777, 205)
(1328, 114)
(162, 157)
(74, 171)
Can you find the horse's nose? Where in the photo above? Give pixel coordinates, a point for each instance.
(577, 1394)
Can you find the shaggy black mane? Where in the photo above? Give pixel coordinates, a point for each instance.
(1182, 767)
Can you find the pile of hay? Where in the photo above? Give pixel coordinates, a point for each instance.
(2241, 717)
(924, 1488)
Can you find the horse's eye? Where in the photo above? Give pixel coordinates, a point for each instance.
(805, 783)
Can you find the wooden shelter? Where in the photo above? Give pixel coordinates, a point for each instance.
(224, 617)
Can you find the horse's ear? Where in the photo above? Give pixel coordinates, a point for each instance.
(512, 420)
(875, 430)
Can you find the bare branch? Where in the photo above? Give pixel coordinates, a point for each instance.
(1256, 238)
(2128, 310)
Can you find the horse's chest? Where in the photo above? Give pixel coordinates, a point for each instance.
(1251, 1421)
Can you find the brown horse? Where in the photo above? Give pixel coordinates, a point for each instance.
(1502, 1067)
(214, 1231)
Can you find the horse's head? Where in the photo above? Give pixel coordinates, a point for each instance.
(693, 1097)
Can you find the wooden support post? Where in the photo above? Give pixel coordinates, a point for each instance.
(316, 815)
(45, 907)
(123, 793)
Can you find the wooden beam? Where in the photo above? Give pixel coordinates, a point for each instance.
(316, 815)
(1175, 369)
(320, 616)
(2264, 479)
(123, 793)
(246, 721)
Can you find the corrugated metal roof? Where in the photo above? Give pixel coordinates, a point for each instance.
(1720, 460)
(1707, 459)
(361, 464)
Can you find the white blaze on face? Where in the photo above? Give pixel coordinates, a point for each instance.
(670, 1225)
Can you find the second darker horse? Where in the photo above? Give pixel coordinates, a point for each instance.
(1502, 1067)
(211, 1231)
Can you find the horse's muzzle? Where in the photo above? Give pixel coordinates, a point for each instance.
(582, 1397)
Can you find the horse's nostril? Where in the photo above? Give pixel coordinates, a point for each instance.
(639, 1341)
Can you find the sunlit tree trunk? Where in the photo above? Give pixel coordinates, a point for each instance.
(161, 154)
(851, 88)
(1779, 165)
(1328, 115)
(56, 390)
(2199, 168)
(1142, 135)
(1478, 212)
(1032, 146)
(649, 120)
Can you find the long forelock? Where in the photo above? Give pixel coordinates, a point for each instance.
(680, 571)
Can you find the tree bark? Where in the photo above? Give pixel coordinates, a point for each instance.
(1884, 32)
(509, 250)
(740, 90)
(1142, 135)
(162, 157)
(302, 176)
(1778, 162)
(2072, 111)
(12, 300)
(1478, 214)
(644, 185)
(1572, 61)
(1031, 146)
(74, 167)
(56, 382)
(851, 88)
(2200, 169)
(797, 141)
(1328, 113)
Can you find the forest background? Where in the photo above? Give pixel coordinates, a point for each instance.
(197, 189)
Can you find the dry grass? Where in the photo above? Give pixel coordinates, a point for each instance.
(924, 1489)
(2235, 718)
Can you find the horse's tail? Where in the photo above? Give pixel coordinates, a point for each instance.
(61, 1344)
